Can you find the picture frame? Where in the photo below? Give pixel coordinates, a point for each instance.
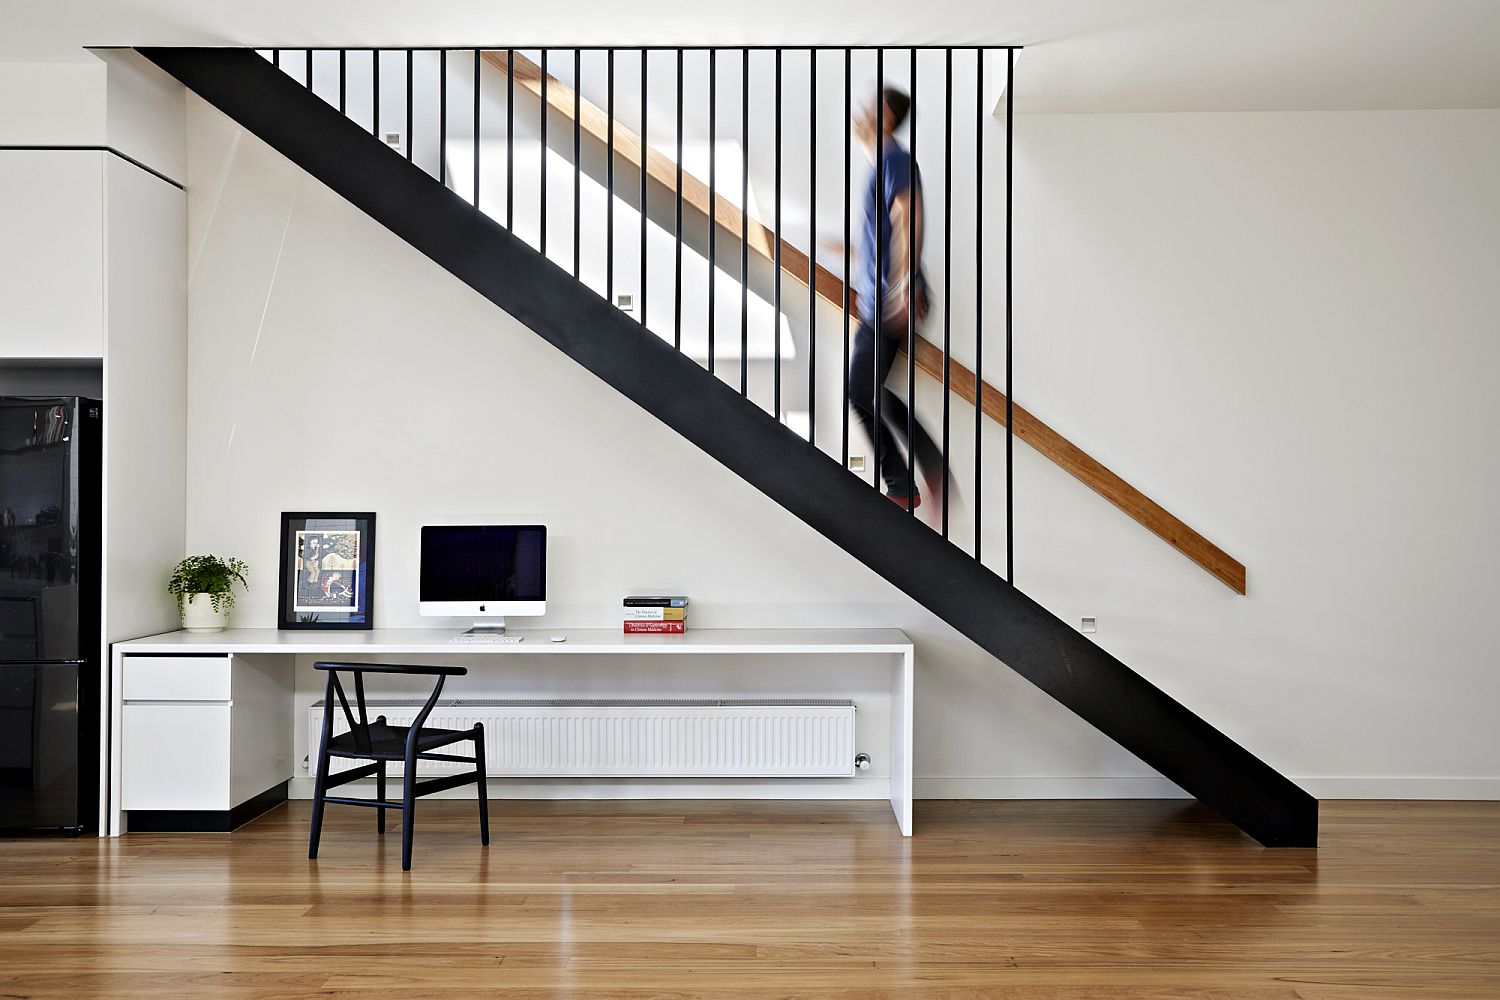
(327, 576)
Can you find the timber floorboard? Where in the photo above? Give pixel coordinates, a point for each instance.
(1080, 900)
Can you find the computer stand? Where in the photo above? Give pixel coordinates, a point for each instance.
(494, 626)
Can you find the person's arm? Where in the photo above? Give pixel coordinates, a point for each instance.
(904, 207)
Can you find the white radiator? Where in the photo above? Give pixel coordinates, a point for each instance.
(633, 739)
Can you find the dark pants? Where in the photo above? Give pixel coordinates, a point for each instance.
(867, 368)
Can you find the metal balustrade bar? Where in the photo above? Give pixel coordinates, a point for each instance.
(713, 179)
(744, 217)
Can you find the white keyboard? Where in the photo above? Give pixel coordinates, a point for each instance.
(482, 637)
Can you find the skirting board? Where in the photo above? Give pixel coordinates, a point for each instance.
(1048, 787)
(206, 820)
(1152, 787)
(1420, 788)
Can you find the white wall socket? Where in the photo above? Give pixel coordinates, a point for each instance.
(1089, 624)
(856, 463)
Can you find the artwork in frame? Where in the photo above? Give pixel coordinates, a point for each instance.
(327, 578)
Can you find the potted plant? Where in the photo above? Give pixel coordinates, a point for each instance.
(204, 589)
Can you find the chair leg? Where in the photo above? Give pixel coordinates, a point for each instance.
(484, 785)
(320, 790)
(408, 807)
(380, 794)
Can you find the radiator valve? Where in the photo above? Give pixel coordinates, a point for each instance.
(862, 761)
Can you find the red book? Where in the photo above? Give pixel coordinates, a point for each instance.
(672, 627)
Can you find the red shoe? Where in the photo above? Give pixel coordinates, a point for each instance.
(916, 500)
(932, 482)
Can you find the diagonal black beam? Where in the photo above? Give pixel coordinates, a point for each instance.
(478, 251)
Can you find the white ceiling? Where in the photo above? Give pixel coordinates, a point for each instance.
(1083, 55)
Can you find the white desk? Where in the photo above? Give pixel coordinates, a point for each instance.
(267, 647)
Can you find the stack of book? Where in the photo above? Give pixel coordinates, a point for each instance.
(648, 613)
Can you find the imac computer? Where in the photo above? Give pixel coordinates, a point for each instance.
(483, 571)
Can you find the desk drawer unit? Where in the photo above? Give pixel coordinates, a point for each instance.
(177, 678)
(204, 740)
(175, 727)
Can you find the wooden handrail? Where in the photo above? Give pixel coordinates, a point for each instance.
(1087, 470)
(662, 171)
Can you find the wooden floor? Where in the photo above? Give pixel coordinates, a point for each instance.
(1030, 900)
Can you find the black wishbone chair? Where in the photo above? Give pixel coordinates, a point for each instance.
(379, 743)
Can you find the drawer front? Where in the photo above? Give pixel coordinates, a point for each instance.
(176, 678)
(174, 757)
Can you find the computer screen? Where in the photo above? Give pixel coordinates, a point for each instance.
(482, 564)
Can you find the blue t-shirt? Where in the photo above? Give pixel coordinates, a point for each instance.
(896, 175)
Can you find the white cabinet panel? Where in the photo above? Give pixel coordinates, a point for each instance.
(176, 678)
(175, 756)
(145, 392)
(51, 254)
(260, 753)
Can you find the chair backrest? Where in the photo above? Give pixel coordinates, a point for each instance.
(360, 727)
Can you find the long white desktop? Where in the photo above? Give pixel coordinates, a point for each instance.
(229, 695)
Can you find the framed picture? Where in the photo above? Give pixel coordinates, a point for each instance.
(327, 571)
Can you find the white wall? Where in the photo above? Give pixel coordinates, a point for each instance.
(1212, 304)
(1282, 327)
(332, 367)
(52, 104)
(144, 112)
(51, 253)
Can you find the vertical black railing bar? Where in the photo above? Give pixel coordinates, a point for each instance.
(645, 172)
(410, 59)
(978, 297)
(478, 72)
(877, 307)
(609, 181)
(848, 196)
(947, 266)
(812, 246)
(776, 253)
(677, 285)
(307, 70)
(443, 117)
(343, 81)
(913, 193)
(744, 222)
(1010, 423)
(542, 239)
(510, 139)
(577, 163)
(713, 142)
(375, 93)
(276, 58)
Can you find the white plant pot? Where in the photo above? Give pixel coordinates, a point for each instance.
(198, 615)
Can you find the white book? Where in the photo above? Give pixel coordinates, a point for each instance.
(654, 614)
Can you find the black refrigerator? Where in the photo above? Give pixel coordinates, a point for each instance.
(50, 502)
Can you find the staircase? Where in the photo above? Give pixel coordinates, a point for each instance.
(753, 443)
